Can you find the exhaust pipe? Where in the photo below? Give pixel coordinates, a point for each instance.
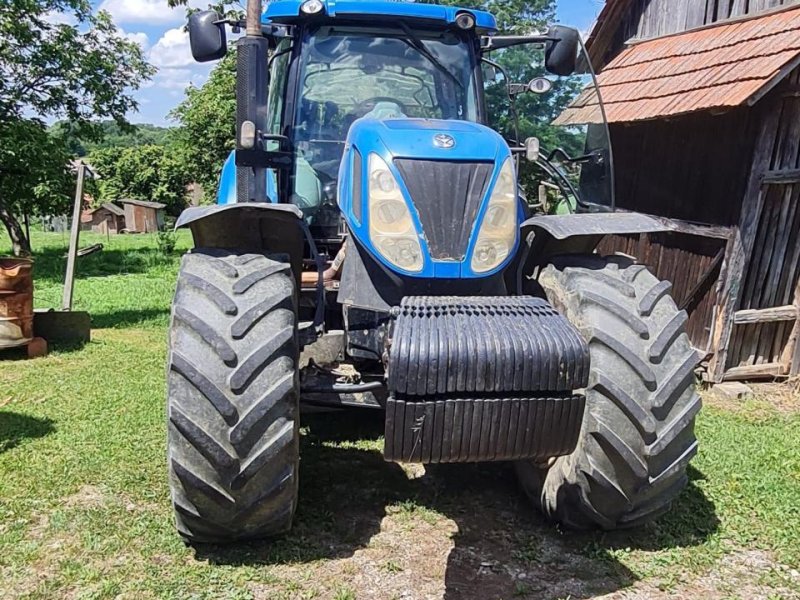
(252, 84)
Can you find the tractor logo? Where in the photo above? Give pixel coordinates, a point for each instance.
(442, 140)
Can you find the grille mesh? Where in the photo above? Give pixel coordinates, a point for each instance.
(447, 196)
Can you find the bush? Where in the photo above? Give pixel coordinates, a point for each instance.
(166, 241)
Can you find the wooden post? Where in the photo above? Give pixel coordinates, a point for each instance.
(74, 238)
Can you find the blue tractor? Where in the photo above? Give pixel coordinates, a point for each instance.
(377, 245)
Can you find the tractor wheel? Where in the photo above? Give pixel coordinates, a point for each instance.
(232, 399)
(638, 431)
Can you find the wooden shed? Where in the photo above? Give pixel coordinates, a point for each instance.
(703, 100)
(142, 216)
(106, 218)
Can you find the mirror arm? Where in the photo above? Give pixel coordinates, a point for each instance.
(497, 42)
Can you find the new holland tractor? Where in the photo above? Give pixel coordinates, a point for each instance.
(377, 245)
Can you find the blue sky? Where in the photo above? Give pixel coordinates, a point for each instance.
(159, 31)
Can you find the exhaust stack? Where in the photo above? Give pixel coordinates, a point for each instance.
(252, 84)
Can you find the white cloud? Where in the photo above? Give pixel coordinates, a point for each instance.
(152, 12)
(59, 18)
(138, 38)
(172, 50)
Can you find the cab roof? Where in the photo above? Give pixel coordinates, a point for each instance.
(286, 11)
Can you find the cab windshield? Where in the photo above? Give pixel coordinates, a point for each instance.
(349, 73)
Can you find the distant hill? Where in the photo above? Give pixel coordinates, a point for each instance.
(113, 137)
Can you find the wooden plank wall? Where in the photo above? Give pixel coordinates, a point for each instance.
(654, 18)
(692, 168)
(683, 260)
(765, 333)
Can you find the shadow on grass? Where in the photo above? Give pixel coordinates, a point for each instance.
(50, 263)
(120, 319)
(503, 548)
(15, 428)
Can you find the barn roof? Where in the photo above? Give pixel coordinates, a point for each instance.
(145, 203)
(110, 207)
(114, 209)
(716, 67)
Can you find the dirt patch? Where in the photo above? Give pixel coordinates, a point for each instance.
(750, 574)
(88, 496)
(768, 400)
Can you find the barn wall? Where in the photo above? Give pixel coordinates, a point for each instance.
(691, 263)
(654, 18)
(692, 168)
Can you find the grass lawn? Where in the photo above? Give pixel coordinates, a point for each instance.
(84, 505)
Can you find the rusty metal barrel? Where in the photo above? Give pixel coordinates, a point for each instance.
(16, 302)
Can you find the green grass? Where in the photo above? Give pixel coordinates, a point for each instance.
(84, 505)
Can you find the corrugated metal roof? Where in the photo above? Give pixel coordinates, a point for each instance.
(716, 67)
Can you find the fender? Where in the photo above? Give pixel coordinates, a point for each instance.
(550, 235)
(250, 226)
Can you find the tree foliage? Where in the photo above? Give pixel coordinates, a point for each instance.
(207, 130)
(110, 134)
(35, 176)
(152, 173)
(83, 71)
(78, 67)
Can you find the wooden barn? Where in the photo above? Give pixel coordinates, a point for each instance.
(703, 100)
(106, 218)
(142, 216)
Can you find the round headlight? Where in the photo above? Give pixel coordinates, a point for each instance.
(391, 216)
(488, 254)
(498, 217)
(465, 20)
(312, 7)
(384, 181)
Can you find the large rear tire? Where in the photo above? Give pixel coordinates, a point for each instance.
(638, 432)
(232, 399)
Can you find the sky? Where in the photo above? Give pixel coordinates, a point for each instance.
(159, 31)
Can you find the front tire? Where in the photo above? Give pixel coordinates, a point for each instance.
(232, 399)
(638, 432)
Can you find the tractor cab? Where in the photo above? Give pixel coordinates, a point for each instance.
(429, 71)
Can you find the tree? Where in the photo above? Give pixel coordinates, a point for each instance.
(151, 173)
(35, 173)
(49, 69)
(111, 135)
(207, 131)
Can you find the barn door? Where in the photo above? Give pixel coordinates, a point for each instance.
(765, 339)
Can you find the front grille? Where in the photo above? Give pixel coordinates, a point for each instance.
(447, 196)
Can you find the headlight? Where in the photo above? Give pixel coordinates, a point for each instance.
(391, 228)
(499, 230)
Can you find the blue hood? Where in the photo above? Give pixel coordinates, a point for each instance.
(444, 141)
(414, 138)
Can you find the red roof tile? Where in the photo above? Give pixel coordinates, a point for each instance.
(715, 67)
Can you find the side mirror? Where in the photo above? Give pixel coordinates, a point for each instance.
(561, 56)
(207, 36)
(532, 148)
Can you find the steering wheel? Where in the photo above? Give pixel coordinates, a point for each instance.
(367, 105)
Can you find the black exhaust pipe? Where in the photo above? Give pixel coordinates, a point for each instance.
(252, 85)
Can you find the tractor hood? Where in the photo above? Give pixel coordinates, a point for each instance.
(445, 172)
(430, 139)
